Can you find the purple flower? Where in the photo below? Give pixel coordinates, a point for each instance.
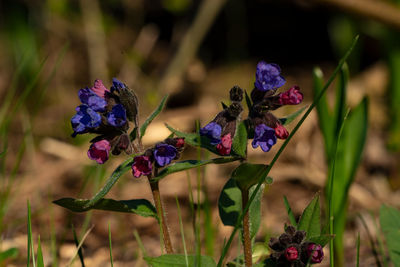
(95, 102)
(117, 85)
(315, 253)
(84, 120)
(164, 154)
(99, 151)
(264, 137)
(142, 165)
(268, 76)
(213, 132)
(117, 116)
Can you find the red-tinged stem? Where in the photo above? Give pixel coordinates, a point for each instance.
(160, 211)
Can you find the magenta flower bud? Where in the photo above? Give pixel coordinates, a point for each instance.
(281, 132)
(315, 253)
(180, 142)
(293, 96)
(142, 165)
(99, 151)
(99, 88)
(291, 253)
(224, 148)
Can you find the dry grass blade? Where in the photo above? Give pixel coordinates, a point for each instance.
(80, 245)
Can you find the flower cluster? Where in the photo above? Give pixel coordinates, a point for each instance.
(106, 113)
(290, 249)
(221, 130)
(267, 128)
(160, 155)
(264, 127)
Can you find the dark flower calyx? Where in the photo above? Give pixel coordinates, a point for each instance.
(234, 110)
(236, 94)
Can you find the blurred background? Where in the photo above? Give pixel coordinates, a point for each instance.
(195, 51)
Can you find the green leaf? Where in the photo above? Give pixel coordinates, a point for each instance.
(230, 206)
(224, 106)
(152, 116)
(10, 253)
(80, 253)
(248, 100)
(248, 174)
(39, 255)
(310, 220)
(141, 207)
(325, 117)
(292, 218)
(239, 144)
(189, 164)
(291, 117)
(179, 260)
(118, 172)
(340, 102)
(390, 223)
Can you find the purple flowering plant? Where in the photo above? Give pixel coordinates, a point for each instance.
(112, 115)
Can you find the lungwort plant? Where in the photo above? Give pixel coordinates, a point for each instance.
(112, 115)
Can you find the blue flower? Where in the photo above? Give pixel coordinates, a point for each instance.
(213, 132)
(91, 99)
(84, 120)
(117, 85)
(268, 77)
(164, 154)
(117, 116)
(264, 137)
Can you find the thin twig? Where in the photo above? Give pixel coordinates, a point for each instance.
(246, 231)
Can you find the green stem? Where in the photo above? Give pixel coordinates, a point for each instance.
(246, 231)
(160, 212)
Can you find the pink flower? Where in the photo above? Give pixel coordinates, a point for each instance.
(224, 147)
(281, 132)
(315, 252)
(293, 96)
(99, 88)
(180, 142)
(142, 165)
(99, 151)
(291, 253)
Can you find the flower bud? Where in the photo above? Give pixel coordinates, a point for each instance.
(236, 94)
(293, 96)
(99, 151)
(314, 253)
(291, 253)
(281, 132)
(142, 165)
(224, 148)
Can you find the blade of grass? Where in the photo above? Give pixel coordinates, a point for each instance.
(358, 250)
(39, 255)
(78, 248)
(76, 240)
(29, 230)
(140, 243)
(182, 231)
(110, 245)
(372, 242)
(283, 146)
(380, 241)
(330, 194)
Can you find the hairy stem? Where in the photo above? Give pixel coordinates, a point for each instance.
(160, 211)
(246, 231)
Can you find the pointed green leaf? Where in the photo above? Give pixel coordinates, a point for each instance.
(118, 172)
(340, 101)
(10, 253)
(292, 218)
(390, 223)
(152, 116)
(230, 206)
(310, 220)
(248, 174)
(189, 164)
(325, 117)
(322, 239)
(179, 260)
(291, 117)
(239, 144)
(141, 207)
(39, 255)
